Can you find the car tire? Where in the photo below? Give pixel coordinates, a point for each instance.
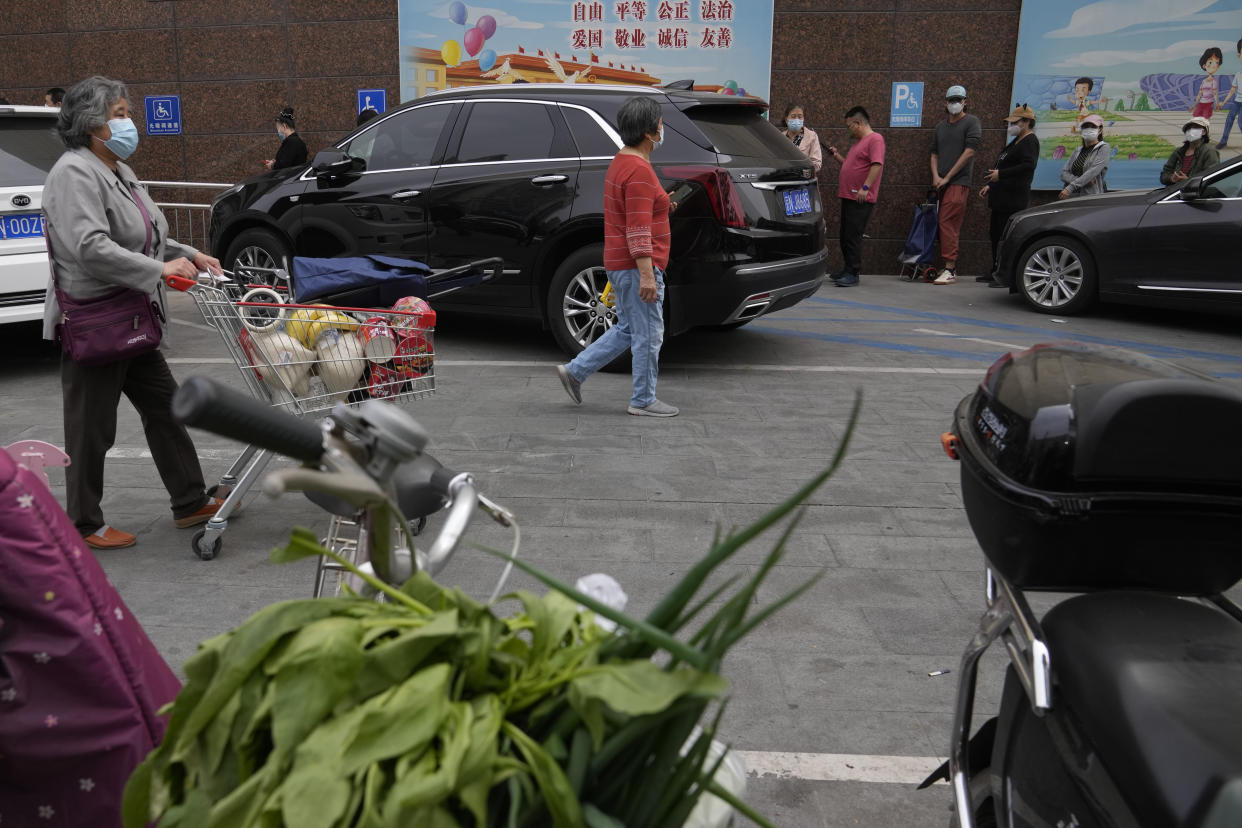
(257, 247)
(1056, 275)
(576, 315)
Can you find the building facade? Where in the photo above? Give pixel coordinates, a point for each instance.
(236, 63)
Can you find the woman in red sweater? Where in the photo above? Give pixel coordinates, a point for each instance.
(636, 243)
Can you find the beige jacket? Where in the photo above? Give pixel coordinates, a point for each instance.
(809, 146)
(97, 233)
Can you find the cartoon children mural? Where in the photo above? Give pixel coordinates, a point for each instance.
(1081, 100)
(1234, 103)
(1209, 89)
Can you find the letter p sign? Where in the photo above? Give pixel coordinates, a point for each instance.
(907, 104)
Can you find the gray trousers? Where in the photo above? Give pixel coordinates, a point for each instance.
(91, 396)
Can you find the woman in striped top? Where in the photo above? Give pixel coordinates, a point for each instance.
(636, 245)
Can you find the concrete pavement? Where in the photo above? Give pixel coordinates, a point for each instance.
(842, 671)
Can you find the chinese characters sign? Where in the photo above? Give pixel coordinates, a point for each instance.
(724, 46)
(164, 115)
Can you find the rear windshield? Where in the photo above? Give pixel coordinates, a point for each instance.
(28, 149)
(742, 130)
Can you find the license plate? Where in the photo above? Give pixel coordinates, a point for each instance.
(797, 201)
(21, 226)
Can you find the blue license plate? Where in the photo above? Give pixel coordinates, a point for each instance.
(797, 201)
(21, 226)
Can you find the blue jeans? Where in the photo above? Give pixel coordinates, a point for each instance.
(1235, 108)
(639, 330)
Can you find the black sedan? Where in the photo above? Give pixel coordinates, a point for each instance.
(1176, 246)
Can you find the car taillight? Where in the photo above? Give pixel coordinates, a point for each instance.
(721, 192)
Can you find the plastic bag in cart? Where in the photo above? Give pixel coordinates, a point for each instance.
(358, 281)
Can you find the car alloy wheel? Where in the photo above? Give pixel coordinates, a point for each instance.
(1053, 276)
(586, 311)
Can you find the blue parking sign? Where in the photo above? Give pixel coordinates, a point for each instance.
(376, 99)
(163, 115)
(907, 104)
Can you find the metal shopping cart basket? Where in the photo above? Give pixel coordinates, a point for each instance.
(306, 358)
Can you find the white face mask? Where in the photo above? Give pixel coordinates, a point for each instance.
(1194, 134)
(1014, 130)
(1090, 134)
(956, 108)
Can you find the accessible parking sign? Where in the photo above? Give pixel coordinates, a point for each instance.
(163, 115)
(907, 104)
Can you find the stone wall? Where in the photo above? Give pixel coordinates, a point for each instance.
(237, 63)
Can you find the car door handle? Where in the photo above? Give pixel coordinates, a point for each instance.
(404, 194)
(548, 179)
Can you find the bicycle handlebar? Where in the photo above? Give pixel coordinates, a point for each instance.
(204, 404)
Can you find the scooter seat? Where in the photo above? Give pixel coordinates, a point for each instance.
(1155, 682)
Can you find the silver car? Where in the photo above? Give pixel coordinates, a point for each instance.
(28, 149)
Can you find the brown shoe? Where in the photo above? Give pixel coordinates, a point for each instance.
(201, 516)
(105, 537)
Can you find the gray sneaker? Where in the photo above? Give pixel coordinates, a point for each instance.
(655, 409)
(572, 387)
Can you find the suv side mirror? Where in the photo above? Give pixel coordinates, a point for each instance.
(1192, 189)
(334, 162)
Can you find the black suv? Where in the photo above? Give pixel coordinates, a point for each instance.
(517, 171)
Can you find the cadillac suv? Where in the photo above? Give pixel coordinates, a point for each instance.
(517, 171)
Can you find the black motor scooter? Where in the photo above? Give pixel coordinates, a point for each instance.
(1119, 478)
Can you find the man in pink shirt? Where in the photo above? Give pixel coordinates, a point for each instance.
(859, 184)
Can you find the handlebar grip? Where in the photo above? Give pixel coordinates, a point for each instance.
(179, 282)
(440, 480)
(204, 404)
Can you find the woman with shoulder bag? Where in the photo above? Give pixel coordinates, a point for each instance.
(108, 244)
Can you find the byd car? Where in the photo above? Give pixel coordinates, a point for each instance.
(517, 171)
(28, 149)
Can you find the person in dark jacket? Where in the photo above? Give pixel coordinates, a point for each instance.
(1194, 156)
(1009, 182)
(292, 152)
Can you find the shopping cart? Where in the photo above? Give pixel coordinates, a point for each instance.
(306, 358)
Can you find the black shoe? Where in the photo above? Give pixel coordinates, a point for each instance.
(838, 276)
(987, 278)
(848, 280)
(996, 284)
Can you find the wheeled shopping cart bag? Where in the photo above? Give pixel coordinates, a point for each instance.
(358, 281)
(917, 256)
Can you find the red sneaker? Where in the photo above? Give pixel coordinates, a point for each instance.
(105, 537)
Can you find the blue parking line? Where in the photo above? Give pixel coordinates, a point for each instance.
(1145, 347)
(875, 343)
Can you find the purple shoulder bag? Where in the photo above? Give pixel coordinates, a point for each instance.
(121, 325)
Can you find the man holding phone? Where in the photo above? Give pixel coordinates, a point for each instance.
(858, 187)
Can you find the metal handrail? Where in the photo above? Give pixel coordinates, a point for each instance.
(188, 221)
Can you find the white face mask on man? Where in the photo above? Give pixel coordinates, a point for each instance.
(956, 107)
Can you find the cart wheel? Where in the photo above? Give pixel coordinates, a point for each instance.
(418, 525)
(204, 551)
(930, 273)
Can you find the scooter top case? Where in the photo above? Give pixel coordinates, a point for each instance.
(1088, 468)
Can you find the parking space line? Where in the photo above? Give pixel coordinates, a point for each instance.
(934, 332)
(839, 767)
(1045, 334)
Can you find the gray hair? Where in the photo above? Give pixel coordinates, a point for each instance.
(85, 108)
(636, 118)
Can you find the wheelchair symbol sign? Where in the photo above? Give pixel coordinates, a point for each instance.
(907, 104)
(163, 115)
(376, 99)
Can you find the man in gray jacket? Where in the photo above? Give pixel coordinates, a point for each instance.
(954, 144)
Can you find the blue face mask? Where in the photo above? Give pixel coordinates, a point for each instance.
(124, 138)
(795, 124)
